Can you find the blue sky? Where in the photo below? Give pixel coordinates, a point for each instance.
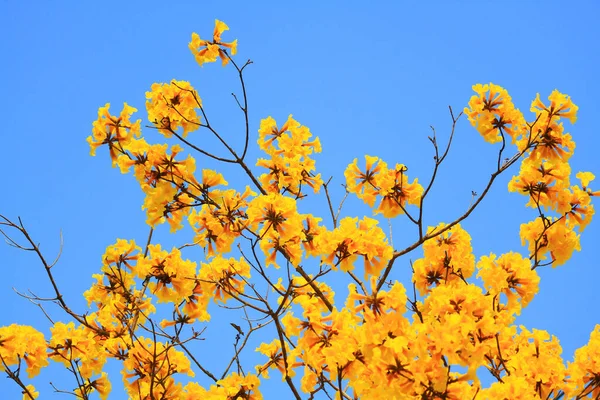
(367, 78)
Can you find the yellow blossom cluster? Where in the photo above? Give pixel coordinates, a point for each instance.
(493, 113)
(21, 342)
(149, 369)
(171, 277)
(207, 51)
(71, 345)
(173, 106)
(117, 299)
(378, 180)
(545, 174)
(352, 239)
(169, 184)
(234, 386)
(289, 165)
(223, 278)
(305, 295)
(222, 218)
(447, 259)
(511, 275)
(115, 132)
(275, 220)
(584, 372)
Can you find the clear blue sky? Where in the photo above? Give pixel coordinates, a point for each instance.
(367, 78)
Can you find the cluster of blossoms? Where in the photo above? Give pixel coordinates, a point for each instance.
(448, 259)
(377, 342)
(493, 114)
(205, 51)
(545, 175)
(390, 184)
(173, 106)
(290, 165)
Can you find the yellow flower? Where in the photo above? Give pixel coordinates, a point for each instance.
(273, 352)
(352, 238)
(207, 51)
(171, 279)
(275, 212)
(448, 259)
(397, 192)
(583, 372)
(19, 342)
(576, 205)
(290, 164)
(30, 393)
(116, 132)
(552, 143)
(560, 106)
(559, 239)
(536, 356)
(510, 388)
(457, 317)
(510, 274)
(77, 343)
(173, 105)
(365, 184)
(542, 181)
(102, 385)
(585, 178)
(148, 362)
(235, 385)
(292, 324)
(223, 278)
(304, 295)
(492, 112)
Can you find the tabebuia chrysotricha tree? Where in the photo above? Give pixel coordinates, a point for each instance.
(430, 338)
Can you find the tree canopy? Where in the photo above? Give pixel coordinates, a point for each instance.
(317, 287)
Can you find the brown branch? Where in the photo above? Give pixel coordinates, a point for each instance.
(47, 267)
(244, 108)
(14, 375)
(438, 162)
(438, 232)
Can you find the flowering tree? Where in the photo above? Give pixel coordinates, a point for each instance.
(148, 306)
